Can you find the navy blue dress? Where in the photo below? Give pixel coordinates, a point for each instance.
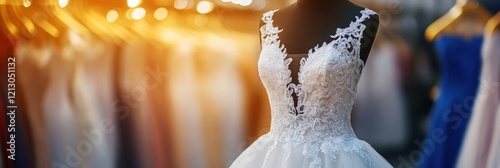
(460, 65)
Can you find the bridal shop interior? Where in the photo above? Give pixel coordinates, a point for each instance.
(174, 83)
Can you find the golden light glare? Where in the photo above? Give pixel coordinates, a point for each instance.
(112, 16)
(161, 13)
(259, 4)
(204, 7)
(200, 20)
(245, 2)
(181, 4)
(63, 3)
(239, 2)
(128, 14)
(138, 13)
(75, 39)
(26, 3)
(133, 3)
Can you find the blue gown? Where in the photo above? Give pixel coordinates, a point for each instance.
(460, 64)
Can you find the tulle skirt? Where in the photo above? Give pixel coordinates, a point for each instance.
(267, 152)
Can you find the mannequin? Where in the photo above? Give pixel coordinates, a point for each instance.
(308, 23)
(458, 38)
(315, 130)
(466, 19)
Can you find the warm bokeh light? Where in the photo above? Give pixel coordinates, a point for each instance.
(239, 2)
(128, 14)
(181, 4)
(112, 16)
(204, 7)
(133, 3)
(138, 13)
(289, 2)
(200, 20)
(259, 4)
(245, 2)
(26, 3)
(168, 35)
(161, 13)
(75, 39)
(63, 3)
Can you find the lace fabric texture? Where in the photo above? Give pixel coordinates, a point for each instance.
(317, 131)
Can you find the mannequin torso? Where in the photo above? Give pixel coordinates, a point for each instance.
(308, 23)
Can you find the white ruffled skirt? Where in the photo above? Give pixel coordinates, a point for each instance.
(268, 152)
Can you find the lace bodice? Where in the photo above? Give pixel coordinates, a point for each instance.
(327, 77)
(313, 129)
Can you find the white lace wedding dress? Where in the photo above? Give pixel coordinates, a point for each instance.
(317, 133)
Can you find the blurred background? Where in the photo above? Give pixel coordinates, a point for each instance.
(174, 83)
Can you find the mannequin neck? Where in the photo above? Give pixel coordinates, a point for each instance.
(319, 4)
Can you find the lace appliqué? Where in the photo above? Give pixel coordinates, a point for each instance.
(328, 80)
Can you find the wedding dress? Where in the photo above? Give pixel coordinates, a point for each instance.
(460, 62)
(317, 132)
(479, 145)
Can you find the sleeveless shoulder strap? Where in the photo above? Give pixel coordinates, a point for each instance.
(356, 27)
(365, 14)
(348, 40)
(359, 26)
(268, 32)
(267, 17)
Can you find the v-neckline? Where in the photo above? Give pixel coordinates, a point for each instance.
(316, 47)
(297, 88)
(311, 51)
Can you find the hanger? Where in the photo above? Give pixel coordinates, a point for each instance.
(10, 26)
(17, 25)
(41, 13)
(107, 31)
(89, 13)
(467, 18)
(45, 29)
(27, 23)
(493, 24)
(69, 20)
(147, 29)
